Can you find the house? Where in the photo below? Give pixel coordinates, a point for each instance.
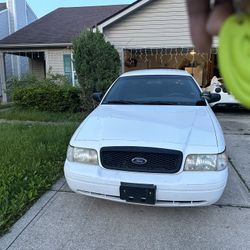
(147, 34)
(14, 15)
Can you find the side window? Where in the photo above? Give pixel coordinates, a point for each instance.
(68, 67)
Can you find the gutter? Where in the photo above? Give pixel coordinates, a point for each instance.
(42, 45)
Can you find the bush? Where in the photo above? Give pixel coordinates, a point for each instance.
(31, 80)
(96, 62)
(48, 97)
(53, 94)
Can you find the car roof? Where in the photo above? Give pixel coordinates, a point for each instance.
(148, 72)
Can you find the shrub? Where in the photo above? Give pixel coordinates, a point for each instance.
(25, 81)
(53, 94)
(58, 79)
(31, 80)
(96, 62)
(48, 97)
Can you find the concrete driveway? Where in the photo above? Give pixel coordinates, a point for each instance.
(64, 220)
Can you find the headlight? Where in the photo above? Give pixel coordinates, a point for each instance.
(206, 162)
(82, 155)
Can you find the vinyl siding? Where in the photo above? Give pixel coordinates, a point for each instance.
(4, 24)
(17, 16)
(20, 15)
(160, 24)
(8, 65)
(54, 60)
(11, 10)
(37, 68)
(31, 17)
(24, 65)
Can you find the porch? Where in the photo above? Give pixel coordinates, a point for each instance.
(17, 63)
(38, 62)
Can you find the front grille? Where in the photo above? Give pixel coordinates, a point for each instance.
(140, 159)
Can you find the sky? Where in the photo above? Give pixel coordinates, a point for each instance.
(43, 7)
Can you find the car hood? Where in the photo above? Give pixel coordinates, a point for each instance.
(186, 125)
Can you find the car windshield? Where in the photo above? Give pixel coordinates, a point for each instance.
(155, 90)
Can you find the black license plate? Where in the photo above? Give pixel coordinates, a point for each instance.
(138, 193)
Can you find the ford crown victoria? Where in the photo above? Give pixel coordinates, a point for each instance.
(153, 140)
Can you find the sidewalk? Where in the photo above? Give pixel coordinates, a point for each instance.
(64, 220)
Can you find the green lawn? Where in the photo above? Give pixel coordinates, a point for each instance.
(31, 115)
(32, 158)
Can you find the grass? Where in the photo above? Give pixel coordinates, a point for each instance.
(32, 158)
(31, 115)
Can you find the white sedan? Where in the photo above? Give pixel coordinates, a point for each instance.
(152, 140)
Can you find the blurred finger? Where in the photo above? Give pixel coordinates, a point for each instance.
(222, 10)
(198, 12)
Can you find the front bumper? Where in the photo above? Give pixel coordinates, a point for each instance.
(182, 189)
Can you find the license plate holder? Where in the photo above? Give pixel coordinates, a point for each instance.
(138, 193)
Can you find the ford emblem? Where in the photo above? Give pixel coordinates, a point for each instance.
(139, 161)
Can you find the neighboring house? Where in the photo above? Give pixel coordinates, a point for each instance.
(147, 34)
(14, 15)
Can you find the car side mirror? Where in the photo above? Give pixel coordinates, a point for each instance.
(97, 97)
(211, 97)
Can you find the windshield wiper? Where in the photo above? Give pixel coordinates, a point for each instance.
(121, 102)
(144, 102)
(160, 103)
(198, 103)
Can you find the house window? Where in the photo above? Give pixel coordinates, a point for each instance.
(68, 67)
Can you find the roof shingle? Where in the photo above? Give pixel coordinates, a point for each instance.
(3, 6)
(61, 25)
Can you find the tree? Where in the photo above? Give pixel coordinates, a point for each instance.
(97, 63)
